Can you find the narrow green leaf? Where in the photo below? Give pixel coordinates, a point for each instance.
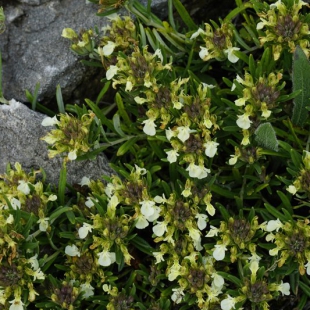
(142, 245)
(305, 288)
(223, 211)
(272, 210)
(103, 91)
(35, 97)
(117, 125)
(121, 109)
(58, 212)
(104, 120)
(142, 35)
(60, 102)
(301, 80)
(62, 184)
(124, 148)
(265, 136)
(231, 278)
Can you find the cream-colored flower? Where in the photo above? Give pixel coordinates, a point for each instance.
(149, 127)
(274, 225)
(228, 303)
(84, 230)
(106, 258)
(196, 34)
(244, 121)
(160, 228)
(43, 223)
(172, 156)
(108, 49)
(72, 155)
(204, 53)
(111, 72)
(211, 148)
(219, 251)
(72, 250)
(23, 187)
(50, 121)
(230, 54)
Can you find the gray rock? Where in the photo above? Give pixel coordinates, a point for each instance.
(20, 133)
(33, 50)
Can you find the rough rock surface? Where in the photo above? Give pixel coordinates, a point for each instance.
(33, 50)
(20, 133)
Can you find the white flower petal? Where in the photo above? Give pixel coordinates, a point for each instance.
(230, 54)
(196, 34)
(72, 155)
(172, 156)
(50, 121)
(203, 53)
(108, 49)
(149, 127)
(244, 121)
(211, 148)
(219, 252)
(72, 250)
(111, 72)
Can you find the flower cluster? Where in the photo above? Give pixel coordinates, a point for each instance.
(121, 36)
(292, 242)
(258, 100)
(284, 27)
(83, 44)
(219, 43)
(20, 269)
(301, 184)
(237, 234)
(71, 135)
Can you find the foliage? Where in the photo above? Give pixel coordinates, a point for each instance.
(209, 139)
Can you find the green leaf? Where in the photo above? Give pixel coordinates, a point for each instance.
(58, 212)
(60, 102)
(275, 212)
(124, 148)
(265, 136)
(121, 109)
(117, 125)
(104, 89)
(301, 80)
(104, 120)
(62, 184)
(142, 245)
(305, 288)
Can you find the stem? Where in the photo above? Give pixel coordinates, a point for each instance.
(293, 133)
(243, 185)
(51, 242)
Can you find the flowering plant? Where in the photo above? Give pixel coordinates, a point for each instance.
(208, 136)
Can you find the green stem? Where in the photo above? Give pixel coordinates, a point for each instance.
(51, 242)
(293, 133)
(243, 186)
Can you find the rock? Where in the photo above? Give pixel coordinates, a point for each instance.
(33, 50)
(20, 133)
